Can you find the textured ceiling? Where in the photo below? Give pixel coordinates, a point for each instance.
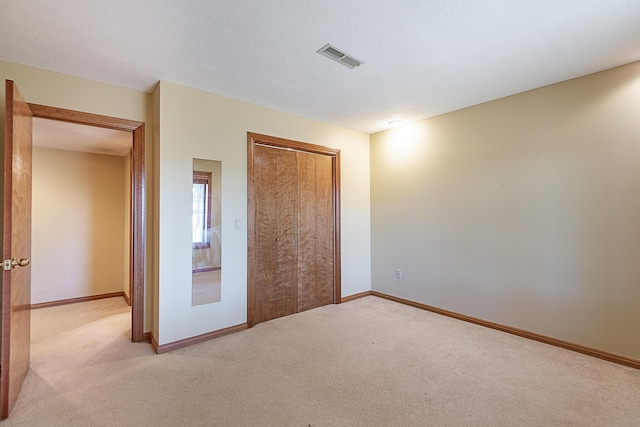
(75, 137)
(422, 57)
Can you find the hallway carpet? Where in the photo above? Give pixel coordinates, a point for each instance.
(368, 362)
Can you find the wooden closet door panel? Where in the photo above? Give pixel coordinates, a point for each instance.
(325, 220)
(265, 226)
(276, 261)
(287, 233)
(306, 231)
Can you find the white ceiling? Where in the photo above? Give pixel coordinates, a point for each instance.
(422, 57)
(75, 137)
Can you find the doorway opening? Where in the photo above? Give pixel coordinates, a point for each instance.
(80, 213)
(136, 226)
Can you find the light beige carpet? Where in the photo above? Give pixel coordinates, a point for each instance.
(369, 362)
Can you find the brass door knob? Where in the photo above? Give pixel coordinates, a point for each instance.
(23, 262)
(8, 264)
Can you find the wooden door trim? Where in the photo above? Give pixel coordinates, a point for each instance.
(254, 139)
(337, 257)
(82, 118)
(272, 141)
(138, 210)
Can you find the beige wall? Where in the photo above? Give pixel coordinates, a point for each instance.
(77, 225)
(195, 124)
(60, 90)
(523, 211)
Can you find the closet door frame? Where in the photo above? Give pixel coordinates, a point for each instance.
(254, 139)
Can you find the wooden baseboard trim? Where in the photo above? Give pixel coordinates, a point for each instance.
(356, 296)
(75, 300)
(154, 342)
(127, 299)
(610, 357)
(206, 269)
(197, 339)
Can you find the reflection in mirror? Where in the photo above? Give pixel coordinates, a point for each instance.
(206, 232)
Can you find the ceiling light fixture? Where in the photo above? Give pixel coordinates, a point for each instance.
(337, 55)
(396, 123)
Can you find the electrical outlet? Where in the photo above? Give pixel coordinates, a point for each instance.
(398, 273)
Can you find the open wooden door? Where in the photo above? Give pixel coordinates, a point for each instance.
(16, 277)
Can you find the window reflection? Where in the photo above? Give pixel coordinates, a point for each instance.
(201, 214)
(206, 231)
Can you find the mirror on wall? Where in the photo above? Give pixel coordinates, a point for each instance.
(206, 234)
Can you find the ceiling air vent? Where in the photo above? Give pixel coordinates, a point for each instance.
(337, 55)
